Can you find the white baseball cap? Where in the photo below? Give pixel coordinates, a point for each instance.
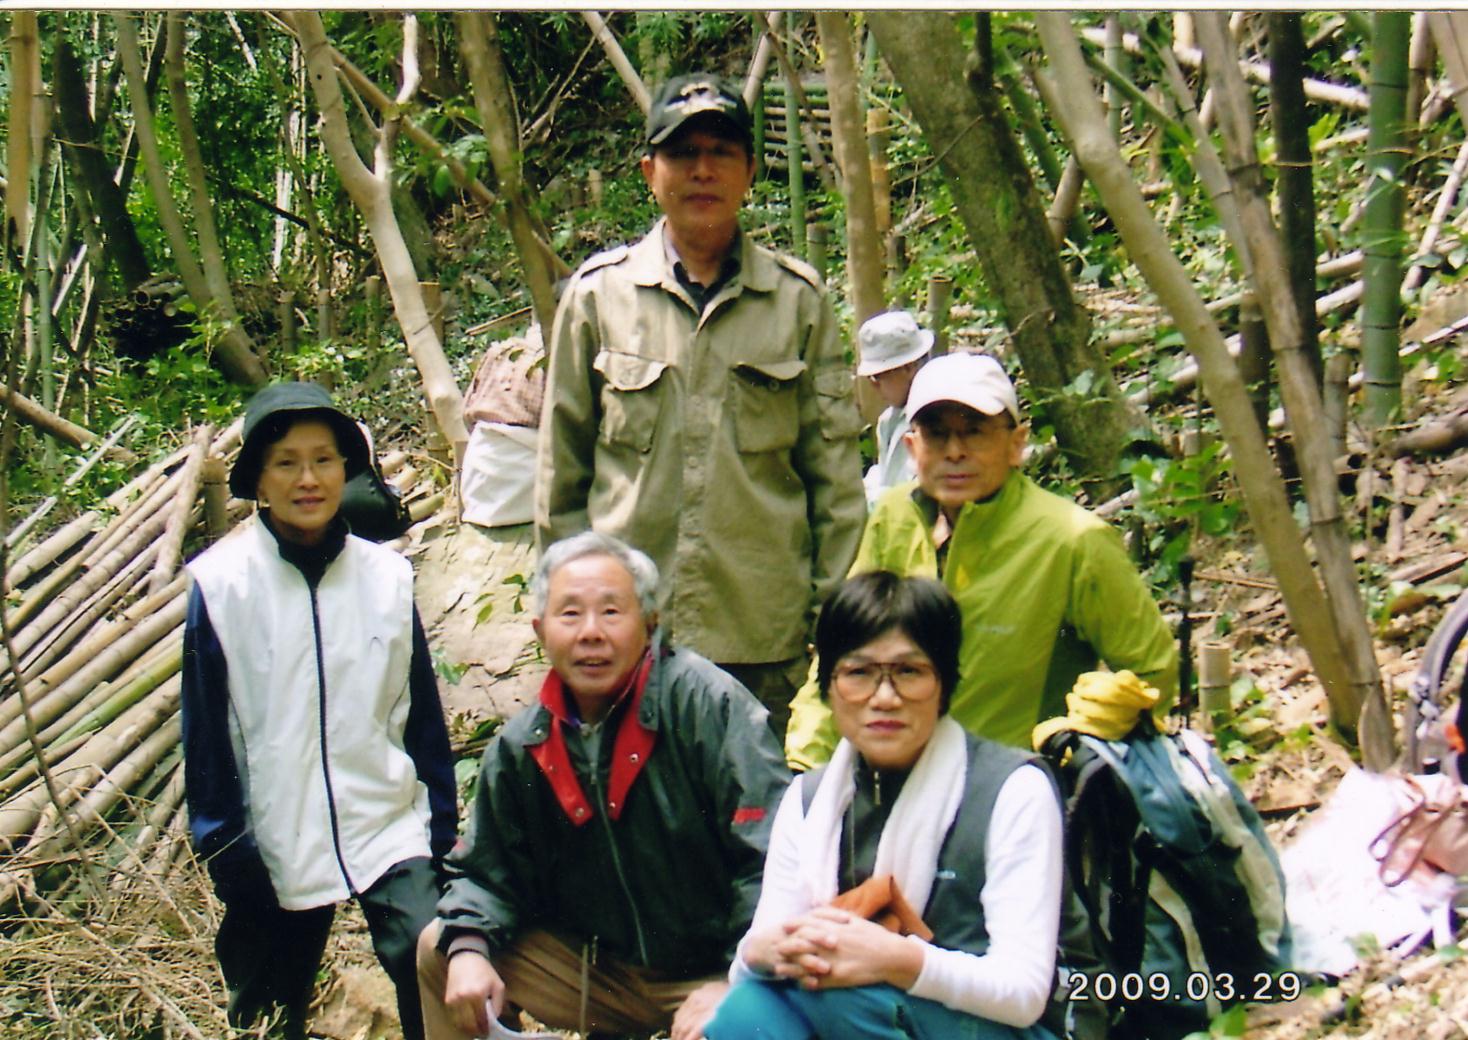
(890, 340)
(975, 380)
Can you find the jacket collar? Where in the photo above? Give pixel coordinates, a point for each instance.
(975, 515)
(649, 265)
(631, 748)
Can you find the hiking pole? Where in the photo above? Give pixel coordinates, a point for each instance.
(1185, 637)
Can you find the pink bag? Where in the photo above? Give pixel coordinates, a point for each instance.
(1431, 828)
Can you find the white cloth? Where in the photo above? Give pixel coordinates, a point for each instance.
(1009, 984)
(908, 848)
(894, 463)
(497, 478)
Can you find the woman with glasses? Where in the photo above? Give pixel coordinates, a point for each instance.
(951, 840)
(316, 762)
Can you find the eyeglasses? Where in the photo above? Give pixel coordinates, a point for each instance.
(913, 680)
(291, 467)
(970, 435)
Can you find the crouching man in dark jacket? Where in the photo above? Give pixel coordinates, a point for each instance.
(614, 854)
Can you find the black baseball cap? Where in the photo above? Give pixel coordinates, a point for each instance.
(683, 97)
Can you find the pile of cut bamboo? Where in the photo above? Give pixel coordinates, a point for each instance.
(90, 674)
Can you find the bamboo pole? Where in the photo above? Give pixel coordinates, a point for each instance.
(42, 556)
(1079, 111)
(1302, 409)
(1445, 200)
(55, 642)
(630, 79)
(181, 510)
(53, 700)
(64, 604)
(1256, 71)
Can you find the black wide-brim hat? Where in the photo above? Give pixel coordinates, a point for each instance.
(268, 417)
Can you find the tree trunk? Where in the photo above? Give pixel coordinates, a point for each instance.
(1301, 394)
(794, 166)
(370, 191)
(997, 202)
(211, 253)
(21, 147)
(83, 147)
(236, 353)
(1080, 113)
(1381, 229)
(479, 42)
(1295, 178)
(863, 244)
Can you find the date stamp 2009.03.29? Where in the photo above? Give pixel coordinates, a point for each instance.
(1261, 988)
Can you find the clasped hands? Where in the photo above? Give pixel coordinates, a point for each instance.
(827, 948)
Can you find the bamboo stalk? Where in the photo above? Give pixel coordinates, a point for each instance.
(1440, 211)
(139, 758)
(1257, 71)
(180, 512)
(46, 651)
(42, 556)
(82, 769)
(53, 701)
(65, 603)
(163, 667)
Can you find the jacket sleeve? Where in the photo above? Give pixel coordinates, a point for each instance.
(811, 735)
(749, 777)
(213, 787)
(490, 869)
(426, 740)
(1114, 611)
(569, 422)
(826, 456)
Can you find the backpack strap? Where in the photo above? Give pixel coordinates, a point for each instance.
(1426, 695)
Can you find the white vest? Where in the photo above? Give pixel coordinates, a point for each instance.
(302, 751)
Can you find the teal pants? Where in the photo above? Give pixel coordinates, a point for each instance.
(755, 1010)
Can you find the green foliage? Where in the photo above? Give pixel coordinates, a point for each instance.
(1232, 1022)
(1177, 496)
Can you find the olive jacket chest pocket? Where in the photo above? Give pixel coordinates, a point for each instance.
(631, 399)
(767, 405)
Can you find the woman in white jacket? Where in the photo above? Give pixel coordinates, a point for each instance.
(316, 762)
(954, 839)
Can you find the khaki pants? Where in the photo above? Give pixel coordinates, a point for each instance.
(558, 985)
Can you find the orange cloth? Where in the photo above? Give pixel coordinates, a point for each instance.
(879, 899)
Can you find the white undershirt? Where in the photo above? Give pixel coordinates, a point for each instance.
(1023, 860)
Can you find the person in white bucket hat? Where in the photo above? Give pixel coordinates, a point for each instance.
(1046, 588)
(892, 348)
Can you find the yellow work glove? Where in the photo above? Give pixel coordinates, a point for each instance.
(1103, 704)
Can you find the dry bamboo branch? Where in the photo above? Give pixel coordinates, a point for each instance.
(55, 643)
(1257, 71)
(181, 510)
(1440, 211)
(55, 700)
(630, 79)
(42, 556)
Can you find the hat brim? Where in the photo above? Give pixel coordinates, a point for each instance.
(695, 110)
(875, 368)
(244, 476)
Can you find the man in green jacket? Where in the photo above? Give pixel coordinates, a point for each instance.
(1046, 588)
(699, 405)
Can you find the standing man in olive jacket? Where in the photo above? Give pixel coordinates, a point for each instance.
(699, 405)
(617, 841)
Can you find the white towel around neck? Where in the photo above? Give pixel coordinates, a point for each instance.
(913, 835)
